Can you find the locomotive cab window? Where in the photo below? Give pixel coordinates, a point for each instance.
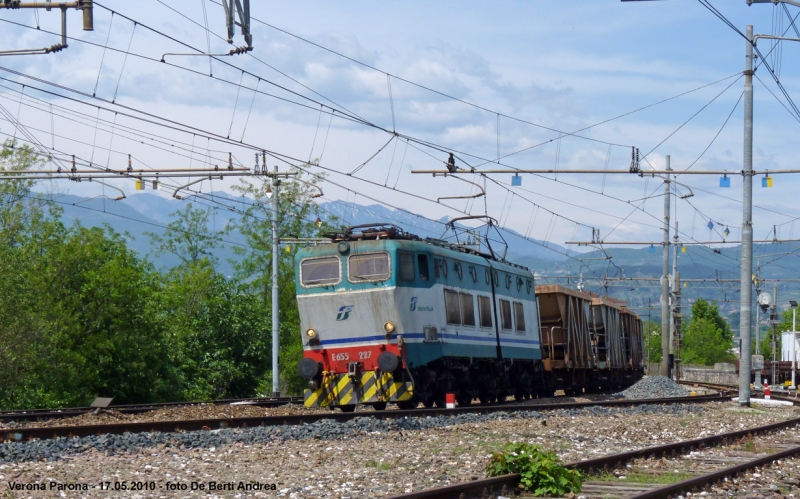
(424, 272)
(467, 310)
(452, 307)
(324, 271)
(485, 311)
(519, 317)
(505, 314)
(406, 266)
(368, 267)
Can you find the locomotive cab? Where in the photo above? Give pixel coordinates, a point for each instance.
(352, 331)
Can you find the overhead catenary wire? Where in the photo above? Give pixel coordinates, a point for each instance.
(331, 116)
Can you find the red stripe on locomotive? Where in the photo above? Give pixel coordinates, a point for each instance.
(335, 360)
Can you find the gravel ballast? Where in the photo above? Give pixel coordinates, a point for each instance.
(652, 387)
(52, 449)
(365, 458)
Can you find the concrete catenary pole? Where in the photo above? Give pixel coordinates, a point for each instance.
(773, 316)
(746, 292)
(276, 322)
(672, 295)
(665, 284)
(794, 342)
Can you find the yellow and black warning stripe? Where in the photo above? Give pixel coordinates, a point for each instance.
(366, 387)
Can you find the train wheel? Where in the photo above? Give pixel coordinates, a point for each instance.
(407, 405)
(463, 399)
(347, 408)
(379, 406)
(428, 403)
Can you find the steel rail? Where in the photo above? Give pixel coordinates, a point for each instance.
(29, 433)
(39, 414)
(713, 477)
(720, 387)
(488, 486)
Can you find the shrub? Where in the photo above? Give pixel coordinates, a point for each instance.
(541, 471)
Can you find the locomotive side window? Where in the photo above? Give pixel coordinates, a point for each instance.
(452, 307)
(467, 310)
(485, 310)
(324, 271)
(519, 317)
(424, 272)
(368, 267)
(406, 266)
(505, 314)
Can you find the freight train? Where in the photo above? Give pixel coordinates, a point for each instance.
(387, 317)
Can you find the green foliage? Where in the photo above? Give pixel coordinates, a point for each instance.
(707, 338)
(220, 333)
(83, 316)
(187, 236)
(541, 471)
(297, 216)
(654, 337)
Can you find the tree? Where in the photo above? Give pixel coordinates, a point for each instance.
(107, 330)
(91, 321)
(297, 215)
(707, 338)
(654, 346)
(187, 236)
(23, 227)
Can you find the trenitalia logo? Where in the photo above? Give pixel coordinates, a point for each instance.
(415, 308)
(344, 312)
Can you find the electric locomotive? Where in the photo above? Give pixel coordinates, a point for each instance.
(388, 317)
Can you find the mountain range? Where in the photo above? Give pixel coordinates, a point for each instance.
(145, 212)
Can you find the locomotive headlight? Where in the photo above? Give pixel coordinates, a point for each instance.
(389, 327)
(311, 333)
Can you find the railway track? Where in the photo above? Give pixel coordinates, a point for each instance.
(704, 467)
(45, 414)
(29, 433)
(732, 389)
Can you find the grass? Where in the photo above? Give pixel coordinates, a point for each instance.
(637, 477)
(372, 463)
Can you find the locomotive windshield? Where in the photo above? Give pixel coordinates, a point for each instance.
(368, 267)
(320, 271)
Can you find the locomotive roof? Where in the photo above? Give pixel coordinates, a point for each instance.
(379, 231)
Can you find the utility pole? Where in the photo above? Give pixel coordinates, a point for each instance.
(746, 292)
(773, 316)
(757, 329)
(665, 283)
(276, 321)
(673, 300)
(676, 320)
(647, 338)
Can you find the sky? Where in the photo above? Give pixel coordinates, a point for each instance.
(502, 85)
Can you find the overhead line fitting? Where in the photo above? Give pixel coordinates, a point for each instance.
(635, 160)
(82, 5)
(233, 51)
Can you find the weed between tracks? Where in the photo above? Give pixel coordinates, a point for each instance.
(643, 477)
